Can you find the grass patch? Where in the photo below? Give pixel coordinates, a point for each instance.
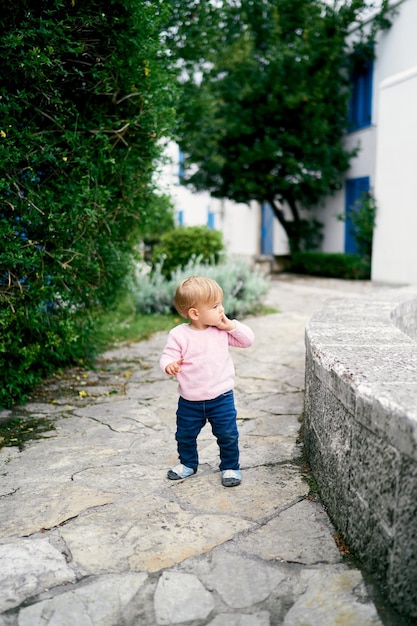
(266, 310)
(17, 431)
(123, 324)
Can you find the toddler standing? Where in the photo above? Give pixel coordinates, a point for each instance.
(197, 353)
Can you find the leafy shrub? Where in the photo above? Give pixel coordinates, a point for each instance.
(332, 265)
(243, 287)
(84, 99)
(36, 344)
(178, 246)
(362, 216)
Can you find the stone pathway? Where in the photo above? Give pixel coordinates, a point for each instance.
(92, 532)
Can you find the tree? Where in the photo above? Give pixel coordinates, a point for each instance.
(266, 116)
(85, 97)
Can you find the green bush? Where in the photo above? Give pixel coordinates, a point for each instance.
(35, 344)
(85, 97)
(362, 216)
(178, 246)
(243, 287)
(332, 265)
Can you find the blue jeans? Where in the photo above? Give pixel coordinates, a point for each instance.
(193, 415)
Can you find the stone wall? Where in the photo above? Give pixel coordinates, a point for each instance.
(361, 430)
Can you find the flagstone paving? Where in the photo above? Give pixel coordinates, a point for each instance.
(92, 532)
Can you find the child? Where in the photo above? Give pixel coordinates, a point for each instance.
(198, 355)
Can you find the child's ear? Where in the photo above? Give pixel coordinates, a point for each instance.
(193, 314)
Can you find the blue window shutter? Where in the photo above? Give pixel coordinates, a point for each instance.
(360, 104)
(180, 217)
(210, 219)
(354, 188)
(267, 229)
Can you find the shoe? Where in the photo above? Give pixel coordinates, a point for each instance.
(180, 471)
(231, 478)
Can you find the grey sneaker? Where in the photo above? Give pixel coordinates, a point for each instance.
(231, 478)
(180, 471)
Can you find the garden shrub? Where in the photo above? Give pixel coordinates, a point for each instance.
(331, 265)
(84, 101)
(178, 246)
(362, 218)
(243, 286)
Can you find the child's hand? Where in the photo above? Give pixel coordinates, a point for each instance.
(225, 323)
(174, 368)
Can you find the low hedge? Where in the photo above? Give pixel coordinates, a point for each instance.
(331, 265)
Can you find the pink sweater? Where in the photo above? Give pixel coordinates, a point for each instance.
(207, 369)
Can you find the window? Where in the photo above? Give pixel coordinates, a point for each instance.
(360, 105)
(267, 229)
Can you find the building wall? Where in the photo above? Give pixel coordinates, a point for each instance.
(394, 257)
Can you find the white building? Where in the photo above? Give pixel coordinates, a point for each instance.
(385, 129)
(383, 123)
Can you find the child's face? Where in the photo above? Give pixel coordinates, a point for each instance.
(210, 314)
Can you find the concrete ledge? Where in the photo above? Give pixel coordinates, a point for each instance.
(361, 430)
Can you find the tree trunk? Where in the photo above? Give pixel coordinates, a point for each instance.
(292, 228)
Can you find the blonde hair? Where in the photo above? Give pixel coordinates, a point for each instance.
(195, 291)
